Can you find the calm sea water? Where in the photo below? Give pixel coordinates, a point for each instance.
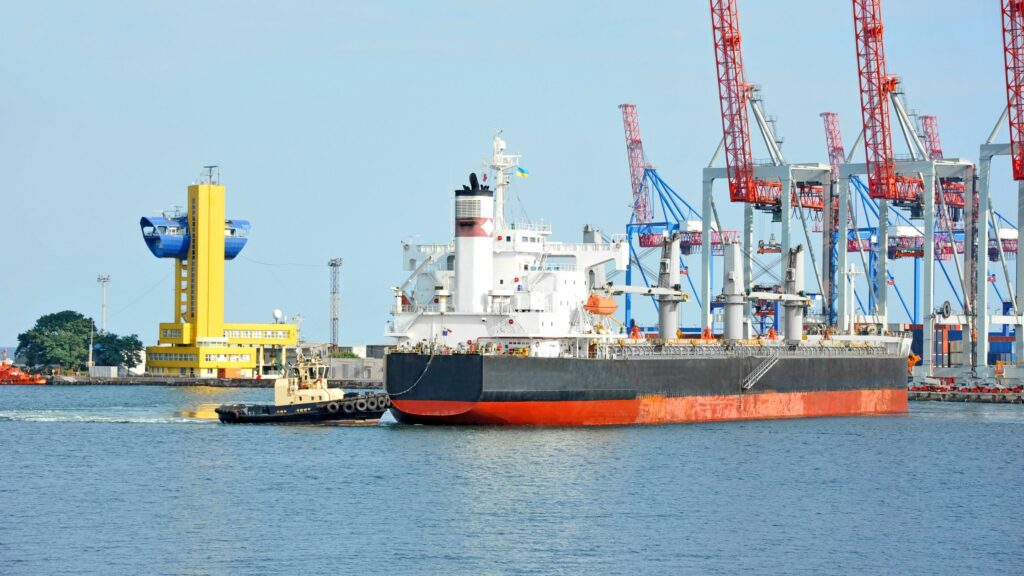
(113, 480)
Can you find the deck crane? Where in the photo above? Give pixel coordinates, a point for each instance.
(775, 188)
(650, 222)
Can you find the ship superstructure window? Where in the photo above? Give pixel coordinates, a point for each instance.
(467, 208)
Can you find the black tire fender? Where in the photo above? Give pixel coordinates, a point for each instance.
(333, 407)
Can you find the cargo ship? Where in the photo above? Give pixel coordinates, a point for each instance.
(506, 327)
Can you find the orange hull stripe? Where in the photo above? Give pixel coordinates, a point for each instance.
(661, 410)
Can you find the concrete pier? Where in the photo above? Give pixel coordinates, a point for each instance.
(184, 381)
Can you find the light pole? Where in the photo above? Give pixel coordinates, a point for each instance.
(103, 280)
(335, 266)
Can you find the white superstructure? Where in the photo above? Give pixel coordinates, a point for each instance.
(503, 281)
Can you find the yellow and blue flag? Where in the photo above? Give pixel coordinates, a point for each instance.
(522, 172)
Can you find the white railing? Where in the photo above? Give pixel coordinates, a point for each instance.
(432, 248)
(574, 247)
(554, 268)
(530, 226)
(406, 308)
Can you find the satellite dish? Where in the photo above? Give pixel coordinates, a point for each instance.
(946, 309)
(278, 314)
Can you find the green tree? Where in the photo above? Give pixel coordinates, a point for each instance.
(112, 350)
(58, 339)
(62, 339)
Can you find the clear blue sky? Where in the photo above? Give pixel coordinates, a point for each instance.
(341, 126)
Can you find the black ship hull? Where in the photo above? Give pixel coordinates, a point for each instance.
(495, 389)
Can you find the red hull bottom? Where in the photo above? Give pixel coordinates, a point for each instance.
(657, 409)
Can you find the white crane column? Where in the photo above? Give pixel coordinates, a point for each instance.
(969, 269)
(981, 319)
(1018, 342)
(748, 260)
(732, 292)
(705, 254)
(928, 274)
(843, 319)
(881, 310)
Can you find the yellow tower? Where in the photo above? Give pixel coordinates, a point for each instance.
(198, 342)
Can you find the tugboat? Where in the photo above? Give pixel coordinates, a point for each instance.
(302, 396)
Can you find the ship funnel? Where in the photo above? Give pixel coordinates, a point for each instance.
(793, 284)
(732, 290)
(474, 246)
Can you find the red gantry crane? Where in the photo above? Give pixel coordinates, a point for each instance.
(952, 189)
(637, 164)
(875, 86)
(1013, 55)
(930, 130)
(733, 94)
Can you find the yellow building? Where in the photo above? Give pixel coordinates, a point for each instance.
(198, 342)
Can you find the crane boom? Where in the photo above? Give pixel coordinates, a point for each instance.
(732, 96)
(1013, 55)
(834, 142)
(930, 128)
(637, 164)
(875, 86)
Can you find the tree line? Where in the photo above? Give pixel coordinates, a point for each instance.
(62, 339)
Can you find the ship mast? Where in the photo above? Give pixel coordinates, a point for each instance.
(501, 163)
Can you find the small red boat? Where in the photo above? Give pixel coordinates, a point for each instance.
(12, 375)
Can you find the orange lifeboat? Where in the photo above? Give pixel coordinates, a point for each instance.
(602, 305)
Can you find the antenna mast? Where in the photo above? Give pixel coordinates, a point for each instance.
(501, 163)
(335, 266)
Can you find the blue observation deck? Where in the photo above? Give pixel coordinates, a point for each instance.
(167, 236)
